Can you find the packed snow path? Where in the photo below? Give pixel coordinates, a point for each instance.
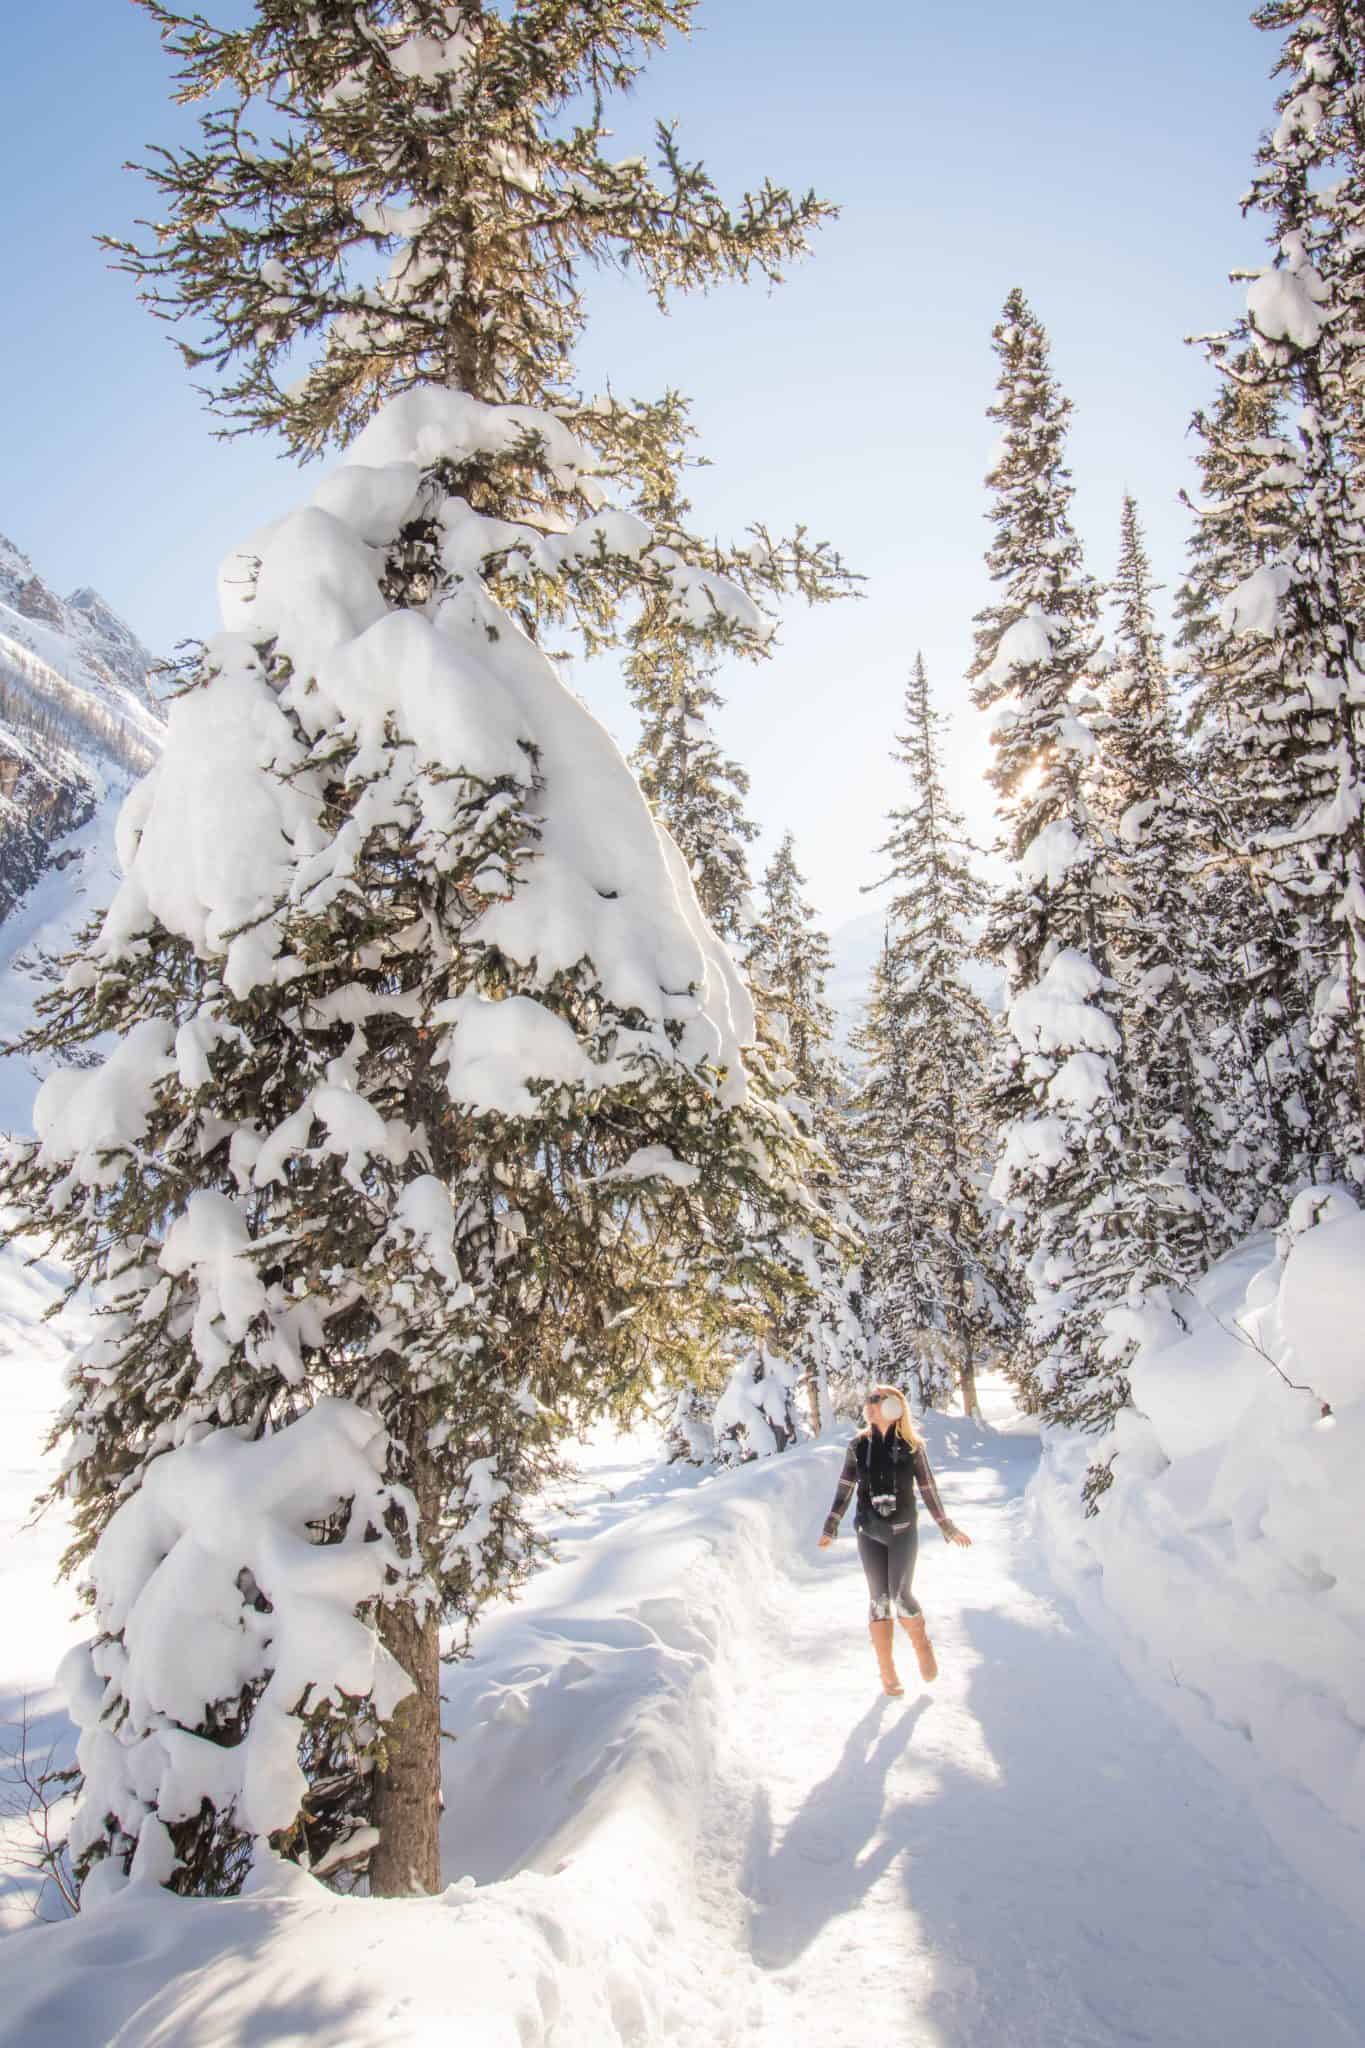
(1024, 1852)
(681, 1811)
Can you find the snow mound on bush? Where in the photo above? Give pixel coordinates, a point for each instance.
(207, 1582)
(1226, 1562)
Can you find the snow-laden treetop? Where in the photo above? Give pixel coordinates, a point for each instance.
(226, 842)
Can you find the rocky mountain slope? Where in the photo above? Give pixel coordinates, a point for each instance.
(78, 714)
(79, 722)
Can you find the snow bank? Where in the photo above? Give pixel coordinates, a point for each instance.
(1226, 1563)
(585, 1732)
(38, 1627)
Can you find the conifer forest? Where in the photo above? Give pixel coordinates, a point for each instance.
(562, 1098)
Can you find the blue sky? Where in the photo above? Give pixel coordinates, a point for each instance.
(1095, 154)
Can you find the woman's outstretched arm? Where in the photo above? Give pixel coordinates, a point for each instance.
(843, 1492)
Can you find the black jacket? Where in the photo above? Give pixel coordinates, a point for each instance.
(872, 1466)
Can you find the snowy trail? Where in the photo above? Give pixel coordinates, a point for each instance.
(1024, 1853)
(681, 1810)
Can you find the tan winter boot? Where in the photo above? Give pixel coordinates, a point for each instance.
(913, 1624)
(881, 1633)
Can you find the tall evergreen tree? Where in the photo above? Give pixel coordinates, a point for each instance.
(1053, 1093)
(726, 1409)
(1295, 619)
(791, 962)
(429, 1070)
(815, 1352)
(692, 785)
(1157, 917)
(1260, 1011)
(939, 1299)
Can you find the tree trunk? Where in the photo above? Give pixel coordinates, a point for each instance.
(407, 1791)
(813, 1399)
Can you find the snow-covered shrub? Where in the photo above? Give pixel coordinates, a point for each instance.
(234, 1598)
(689, 1433)
(757, 1410)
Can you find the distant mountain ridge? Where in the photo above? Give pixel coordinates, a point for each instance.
(78, 712)
(80, 721)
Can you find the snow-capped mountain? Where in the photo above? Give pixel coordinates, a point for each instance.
(76, 710)
(79, 722)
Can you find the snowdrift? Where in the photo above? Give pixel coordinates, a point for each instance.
(1227, 1562)
(583, 1733)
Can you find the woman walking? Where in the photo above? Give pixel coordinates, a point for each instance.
(885, 1462)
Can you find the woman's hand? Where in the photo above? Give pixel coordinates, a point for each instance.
(956, 1535)
(823, 1544)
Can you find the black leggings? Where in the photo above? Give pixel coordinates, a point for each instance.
(888, 1557)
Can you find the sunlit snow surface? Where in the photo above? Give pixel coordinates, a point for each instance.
(1227, 1566)
(680, 1809)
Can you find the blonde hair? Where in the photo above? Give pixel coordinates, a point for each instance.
(903, 1426)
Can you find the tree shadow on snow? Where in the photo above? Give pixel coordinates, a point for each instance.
(173, 1975)
(90, 1976)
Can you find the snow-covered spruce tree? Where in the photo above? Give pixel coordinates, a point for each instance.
(697, 791)
(425, 1050)
(1259, 1010)
(938, 1294)
(1052, 1093)
(429, 1069)
(1157, 918)
(814, 1351)
(790, 961)
(1300, 697)
(698, 794)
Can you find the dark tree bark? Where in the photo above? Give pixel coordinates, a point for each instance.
(406, 1806)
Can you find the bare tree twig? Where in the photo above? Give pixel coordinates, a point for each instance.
(1241, 1336)
(32, 1791)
